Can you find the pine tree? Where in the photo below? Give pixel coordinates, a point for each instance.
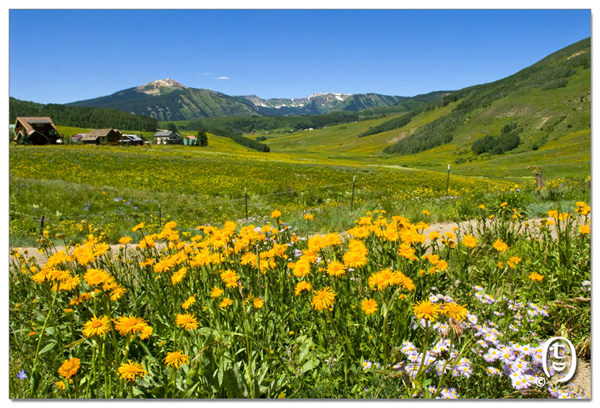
(202, 138)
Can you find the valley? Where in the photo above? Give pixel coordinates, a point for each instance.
(169, 241)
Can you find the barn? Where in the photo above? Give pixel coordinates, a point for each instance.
(167, 137)
(102, 136)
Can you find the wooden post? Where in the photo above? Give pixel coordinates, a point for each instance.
(353, 184)
(159, 217)
(539, 180)
(448, 181)
(41, 225)
(246, 199)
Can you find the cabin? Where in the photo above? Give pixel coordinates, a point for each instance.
(132, 140)
(190, 141)
(167, 137)
(102, 136)
(35, 130)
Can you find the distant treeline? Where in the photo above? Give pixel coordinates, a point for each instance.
(239, 139)
(94, 118)
(403, 120)
(551, 72)
(247, 124)
(508, 140)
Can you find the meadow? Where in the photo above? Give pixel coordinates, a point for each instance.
(238, 274)
(269, 311)
(114, 186)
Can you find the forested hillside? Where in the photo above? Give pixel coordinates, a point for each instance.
(97, 118)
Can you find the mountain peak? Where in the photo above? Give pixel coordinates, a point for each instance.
(155, 87)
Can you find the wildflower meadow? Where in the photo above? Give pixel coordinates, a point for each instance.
(385, 309)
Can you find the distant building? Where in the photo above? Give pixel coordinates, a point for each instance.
(167, 137)
(132, 140)
(190, 141)
(35, 130)
(102, 136)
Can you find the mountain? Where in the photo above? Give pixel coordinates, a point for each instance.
(168, 100)
(540, 103)
(320, 103)
(542, 113)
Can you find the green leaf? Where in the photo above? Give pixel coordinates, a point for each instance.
(192, 390)
(310, 364)
(234, 384)
(192, 376)
(35, 380)
(158, 392)
(304, 350)
(48, 347)
(221, 371)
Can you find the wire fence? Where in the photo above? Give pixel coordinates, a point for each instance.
(42, 218)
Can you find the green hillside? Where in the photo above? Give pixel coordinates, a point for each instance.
(174, 104)
(540, 116)
(168, 100)
(546, 107)
(81, 116)
(344, 140)
(544, 81)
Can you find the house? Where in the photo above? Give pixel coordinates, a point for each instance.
(167, 137)
(76, 139)
(102, 136)
(190, 141)
(35, 130)
(132, 140)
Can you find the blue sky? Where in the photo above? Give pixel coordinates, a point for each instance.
(84, 54)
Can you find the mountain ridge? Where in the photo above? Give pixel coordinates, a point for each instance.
(168, 100)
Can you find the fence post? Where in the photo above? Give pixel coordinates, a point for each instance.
(246, 199)
(41, 225)
(159, 217)
(352, 201)
(448, 181)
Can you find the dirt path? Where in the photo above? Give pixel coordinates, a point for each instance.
(440, 227)
(583, 377)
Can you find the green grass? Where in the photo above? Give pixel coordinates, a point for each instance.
(110, 184)
(557, 120)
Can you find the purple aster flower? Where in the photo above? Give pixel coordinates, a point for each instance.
(492, 355)
(466, 371)
(472, 318)
(413, 358)
(441, 328)
(519, 382)
(412, 369)
(448, 393)
(22, 375)
(494, 371)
